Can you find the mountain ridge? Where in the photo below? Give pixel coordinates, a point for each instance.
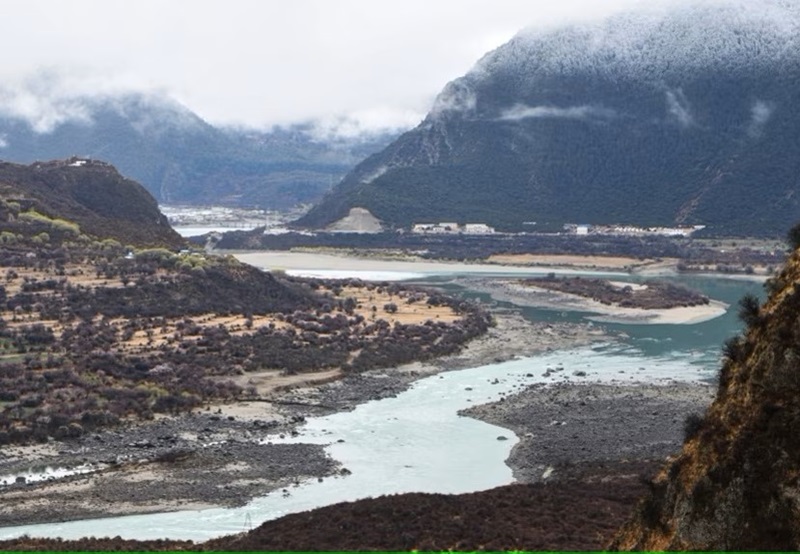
(180, 158)
(638, 119)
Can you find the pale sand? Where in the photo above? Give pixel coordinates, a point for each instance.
(508, 264)
(673, 316)
(32, 452)
(266, 382)
(541, 298)
(309, 261)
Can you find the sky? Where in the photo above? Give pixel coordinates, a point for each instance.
(349, 65)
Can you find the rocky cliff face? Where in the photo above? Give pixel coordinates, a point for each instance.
(678, 117)
(736, 483)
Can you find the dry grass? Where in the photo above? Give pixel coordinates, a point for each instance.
(371, 303)
(559, 260)
(412, 309)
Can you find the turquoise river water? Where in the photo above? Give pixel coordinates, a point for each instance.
(417, 442)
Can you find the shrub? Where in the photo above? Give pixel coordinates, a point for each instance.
(692, 426)
(732, 349)
(749, 310)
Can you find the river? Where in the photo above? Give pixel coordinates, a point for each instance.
(417, 442)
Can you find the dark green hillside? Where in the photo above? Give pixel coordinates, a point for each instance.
(91, 195)
(682, 119)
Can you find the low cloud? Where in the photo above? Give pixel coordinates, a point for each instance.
(364, 124)
(368, 178)
(49, 98)
(44, 114)
(3, 141)
(679, 108)
(521, 111)
(457, 96)
(43, 101)
(760, 113)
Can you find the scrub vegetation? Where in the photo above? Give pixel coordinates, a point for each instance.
(94, 332)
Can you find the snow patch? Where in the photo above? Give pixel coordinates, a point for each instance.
(654, 44)
(369, 177)
(679, 108)
(48, 474)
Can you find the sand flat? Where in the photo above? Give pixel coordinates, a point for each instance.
(271, 260)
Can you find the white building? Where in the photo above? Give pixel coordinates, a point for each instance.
(436, 228)
(477, 229)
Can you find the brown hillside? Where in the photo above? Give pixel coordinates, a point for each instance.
(736, 484)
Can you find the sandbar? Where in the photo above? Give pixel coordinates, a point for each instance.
(536, 297)
(313, 262)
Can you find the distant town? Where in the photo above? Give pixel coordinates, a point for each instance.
(237, 218)
(631, 230)
(452, 228)
(570, 228)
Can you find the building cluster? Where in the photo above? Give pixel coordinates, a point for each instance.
(452, 228)
(631, 230)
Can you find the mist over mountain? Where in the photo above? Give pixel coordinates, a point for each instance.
(180, 158)
(681, 116)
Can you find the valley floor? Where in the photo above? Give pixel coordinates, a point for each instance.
(215, 456)
(327, 262)
(566, 428)
(593, 446)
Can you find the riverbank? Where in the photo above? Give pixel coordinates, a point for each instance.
(566, 429)
(187, 462)
(507, 290)
(392, 263)
(331, 263)
(577, 506)
(222, 456)
(512, 337)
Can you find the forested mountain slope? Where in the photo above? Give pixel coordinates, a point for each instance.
(684, 116)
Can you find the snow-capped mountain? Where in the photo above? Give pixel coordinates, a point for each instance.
(685, 115)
